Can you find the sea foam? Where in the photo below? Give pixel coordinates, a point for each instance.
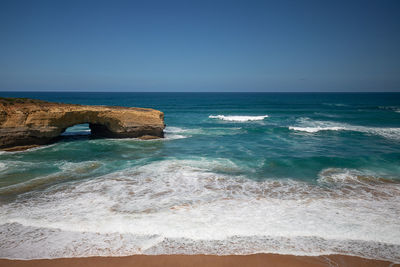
(201, 206)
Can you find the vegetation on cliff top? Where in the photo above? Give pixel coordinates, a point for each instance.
(14, 100)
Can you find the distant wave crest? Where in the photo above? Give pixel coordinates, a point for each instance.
(315, 129)
(238, 118)
(313, 126)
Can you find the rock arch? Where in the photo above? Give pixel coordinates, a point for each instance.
(26, 122)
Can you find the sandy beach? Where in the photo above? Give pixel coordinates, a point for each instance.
(203, 260)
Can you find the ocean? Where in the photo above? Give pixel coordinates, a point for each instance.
(237, 173)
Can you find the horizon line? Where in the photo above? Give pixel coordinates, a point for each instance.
(76, 91)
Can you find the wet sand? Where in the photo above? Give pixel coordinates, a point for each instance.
(264, 260)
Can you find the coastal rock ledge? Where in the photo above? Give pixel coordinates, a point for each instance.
(26, 123)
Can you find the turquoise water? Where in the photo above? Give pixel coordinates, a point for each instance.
(295, 173)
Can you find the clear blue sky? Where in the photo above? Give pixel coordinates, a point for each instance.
(200, 45)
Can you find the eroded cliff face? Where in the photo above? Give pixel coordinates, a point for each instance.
(26, 122)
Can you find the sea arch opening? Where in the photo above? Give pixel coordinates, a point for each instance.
(81, 129)
(86, 130)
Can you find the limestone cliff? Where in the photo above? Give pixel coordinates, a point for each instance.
(25, 122)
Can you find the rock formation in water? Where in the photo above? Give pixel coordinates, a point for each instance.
(28, 122)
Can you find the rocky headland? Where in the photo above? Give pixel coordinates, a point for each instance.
(25, 123)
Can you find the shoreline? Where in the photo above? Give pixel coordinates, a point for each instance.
(275, 260)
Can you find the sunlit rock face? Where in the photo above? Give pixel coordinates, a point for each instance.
(28, 122)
